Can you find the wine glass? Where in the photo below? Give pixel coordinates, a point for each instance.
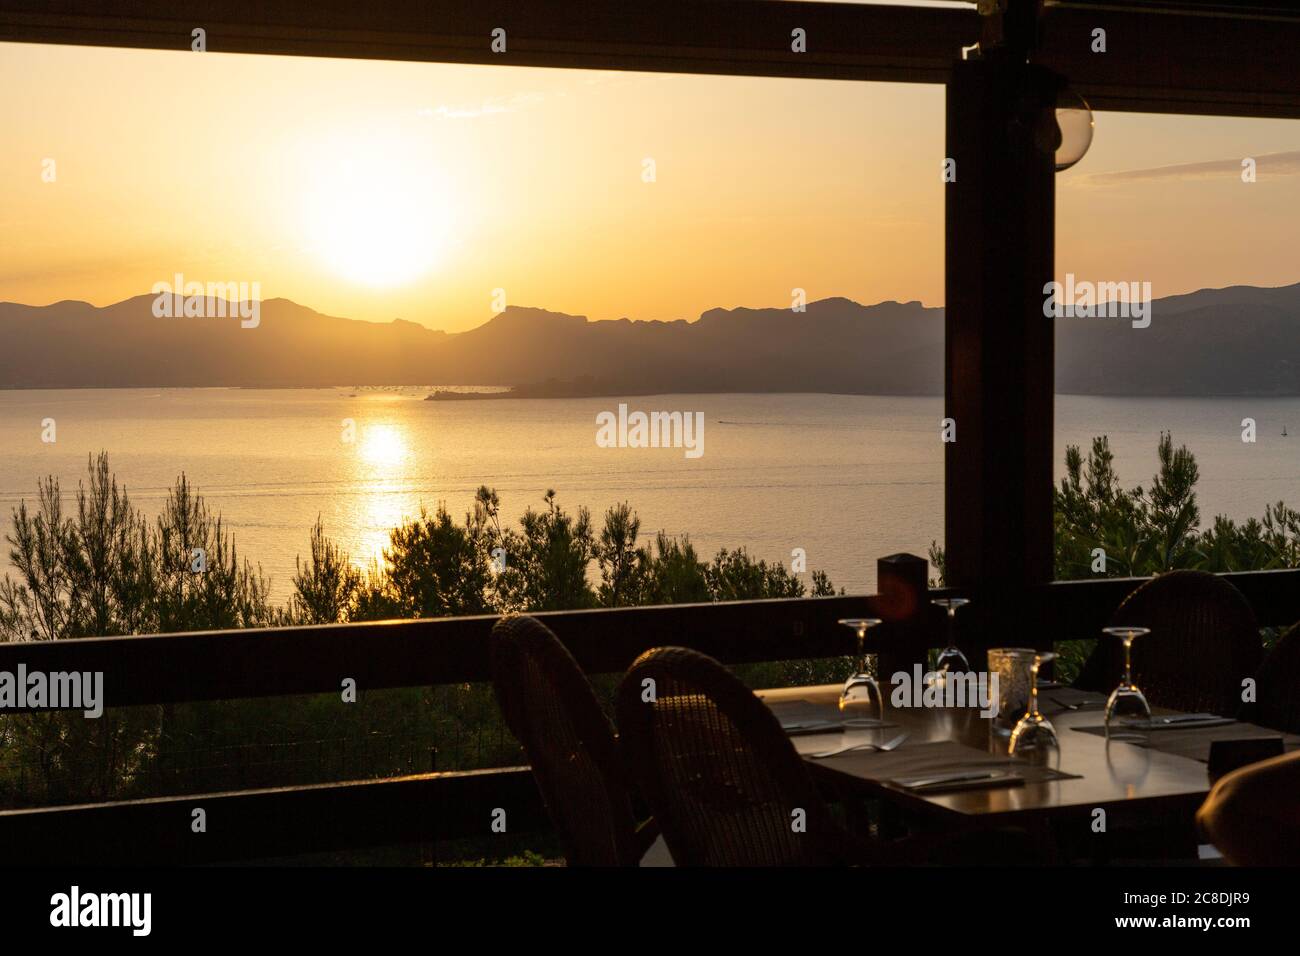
(1034, 735)
(951, 659)
(1126, 704)
(861, 694)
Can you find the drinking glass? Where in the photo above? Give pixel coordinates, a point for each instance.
(1034, 735)
(1014, 669)
(861, 695)
(951, 658)
(1126, 704)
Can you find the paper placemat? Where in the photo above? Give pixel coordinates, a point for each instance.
(1194, 742)
(1060, 700)
(799, 717)
(934, 757)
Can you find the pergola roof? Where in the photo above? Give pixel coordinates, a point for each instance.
(1239, 10)
(1184, 56)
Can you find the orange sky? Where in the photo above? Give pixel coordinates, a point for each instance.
(378, 190)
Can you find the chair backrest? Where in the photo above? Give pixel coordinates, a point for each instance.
(1204, 641)
(1252, 814)
(723, 780)
(550, 707)
(1277, 688)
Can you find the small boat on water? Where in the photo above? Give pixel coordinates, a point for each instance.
(1284, 434)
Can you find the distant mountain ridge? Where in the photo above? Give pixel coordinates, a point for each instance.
(1241, 340)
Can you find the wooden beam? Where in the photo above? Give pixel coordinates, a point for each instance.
(1164, 62)
(741, 37)
(999, 366)
(226, 665)
(222, 665)
(1156, 60)
(218, 665)
(279, 822)
(1074, 610)
(1234, 9)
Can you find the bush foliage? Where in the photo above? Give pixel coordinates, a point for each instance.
(104, 569)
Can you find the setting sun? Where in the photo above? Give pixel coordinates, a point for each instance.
(376, 212)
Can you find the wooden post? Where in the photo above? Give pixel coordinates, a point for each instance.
(999, 364)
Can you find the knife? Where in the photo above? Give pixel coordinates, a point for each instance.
(1187, 718)
(914, 783)
(812, 725)
(965, 780)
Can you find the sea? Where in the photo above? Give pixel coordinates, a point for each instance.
(838, 479)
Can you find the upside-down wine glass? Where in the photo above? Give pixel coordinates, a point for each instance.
(861, 697)
(951, 659)
(1126, 705)
(1034, 734)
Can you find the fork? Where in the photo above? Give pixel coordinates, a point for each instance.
(888, 745)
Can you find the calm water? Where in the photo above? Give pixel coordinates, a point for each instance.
(847, 478)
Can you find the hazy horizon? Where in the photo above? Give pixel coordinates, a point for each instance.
(525, 306)
(382, 190)
(532, 307)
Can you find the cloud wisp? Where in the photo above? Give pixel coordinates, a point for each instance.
(1267, 165)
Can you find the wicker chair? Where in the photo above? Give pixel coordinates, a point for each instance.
(1204, 641)
(724, 781)
(551, 709)
(720, 775)
(1253, 816)
(1277, 687)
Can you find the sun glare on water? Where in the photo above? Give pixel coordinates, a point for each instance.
(382, 445)
(376, 209)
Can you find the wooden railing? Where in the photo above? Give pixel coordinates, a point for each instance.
(1074, 610)
(261, 662)
(430, 807)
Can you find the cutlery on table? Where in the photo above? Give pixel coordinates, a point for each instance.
(810, 726)
(825, 725)
(961, 781)
(1079, 705)
(887, 746)
(959, 777)
(1186, 719)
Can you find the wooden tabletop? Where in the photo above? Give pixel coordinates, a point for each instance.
(1132, 783)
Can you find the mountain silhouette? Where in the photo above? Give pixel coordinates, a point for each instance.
(1236, 341)
(1241, 340)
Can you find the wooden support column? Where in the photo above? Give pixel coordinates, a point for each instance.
(999, 364)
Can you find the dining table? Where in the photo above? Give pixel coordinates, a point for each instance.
(1151, 786)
